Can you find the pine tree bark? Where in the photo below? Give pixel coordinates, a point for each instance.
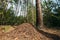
(39, 16)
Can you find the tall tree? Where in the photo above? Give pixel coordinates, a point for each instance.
(39, 17)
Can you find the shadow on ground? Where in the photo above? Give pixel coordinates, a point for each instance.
(49, 35)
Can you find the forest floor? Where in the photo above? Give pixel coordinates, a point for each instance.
(27, 31)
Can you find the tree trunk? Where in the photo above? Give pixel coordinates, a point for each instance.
(39, 16)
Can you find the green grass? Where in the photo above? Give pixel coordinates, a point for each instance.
(5, 28)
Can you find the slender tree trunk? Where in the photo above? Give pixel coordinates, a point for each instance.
(32, 13)
(39, 16)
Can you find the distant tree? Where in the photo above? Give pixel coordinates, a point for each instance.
(51, 12)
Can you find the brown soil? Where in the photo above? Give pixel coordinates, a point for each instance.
(26, 31)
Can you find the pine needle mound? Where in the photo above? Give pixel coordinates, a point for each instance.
(24, 31)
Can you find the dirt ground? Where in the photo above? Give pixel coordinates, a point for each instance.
(27, 31)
